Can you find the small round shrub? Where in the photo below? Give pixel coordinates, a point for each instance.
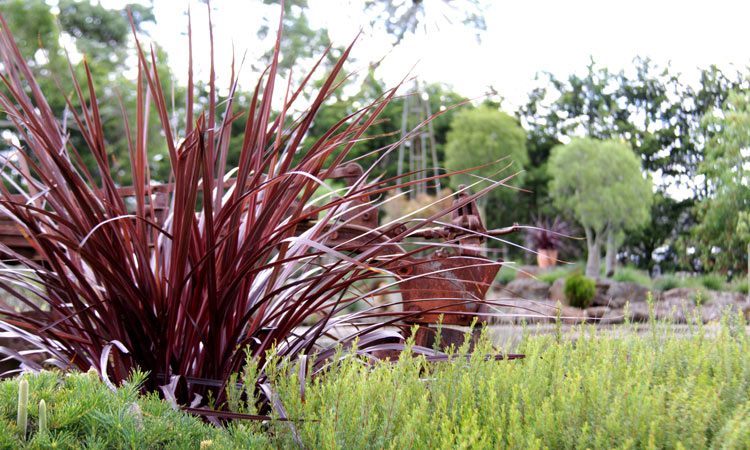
(579, 290)
(667, 282)
(739, 285)
(712, 281)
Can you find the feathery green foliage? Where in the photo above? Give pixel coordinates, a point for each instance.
(88, 414)
(603, 390)
(632, 274)
(586, 389)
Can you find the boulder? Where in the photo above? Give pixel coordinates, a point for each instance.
(597, 312)
(518, 310)
(613, 316)
(601, 297)
(527, 288)
(546, 311)
(556, 291)
(572, 315)
(638, 312)
(682, 293)
(714, 312)
(673, 311)
(620, 293)
(727, 299)
(524, 272)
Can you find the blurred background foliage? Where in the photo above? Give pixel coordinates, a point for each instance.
(687, 137)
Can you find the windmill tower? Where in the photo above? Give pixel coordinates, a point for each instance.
(419, 142)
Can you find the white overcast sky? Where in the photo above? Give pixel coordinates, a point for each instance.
(522, 39)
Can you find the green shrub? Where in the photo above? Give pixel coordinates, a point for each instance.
(81, 412)
(712, 281)
(708, 281)
(739, 285)
(618, 390)
(579, 290)
(633, 275)
(667, 282)
(552, 275)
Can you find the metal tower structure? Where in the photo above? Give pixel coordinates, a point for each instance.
(420, 139)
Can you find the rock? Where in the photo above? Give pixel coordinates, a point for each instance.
(528, 288)
(572, 315)
(517, 311)
(612, 317)
(683, 293)
(597, 312)
(727, 299)
(620, 293)
(542, 311)
(525, 272)
(556, 291)
(711, 313)
(672, 311)
(601, 297)
(715, 311)
(638, 312)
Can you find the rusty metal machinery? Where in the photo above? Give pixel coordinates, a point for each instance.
(449, 285)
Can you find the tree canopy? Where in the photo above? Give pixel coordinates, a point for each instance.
(728, 195)
(482, 135)
(602, 184)
(687, 137)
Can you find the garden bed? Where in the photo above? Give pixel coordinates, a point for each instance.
(588, 388)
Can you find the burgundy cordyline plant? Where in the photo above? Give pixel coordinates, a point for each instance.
(555, 235)
(185, 297)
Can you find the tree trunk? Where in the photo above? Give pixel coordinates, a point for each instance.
(593, 259)
(611, 258)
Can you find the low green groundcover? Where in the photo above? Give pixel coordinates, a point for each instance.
(589, 389)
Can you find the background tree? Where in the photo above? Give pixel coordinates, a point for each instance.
(602, 184)
(727, 190)
(481, 135)
(541, 136)
(404, 17)
(743, 229)
(103, 37)
(649, 107)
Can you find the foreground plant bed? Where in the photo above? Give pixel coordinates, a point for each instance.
(84, 413)
(606, 390)
(661, 390)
